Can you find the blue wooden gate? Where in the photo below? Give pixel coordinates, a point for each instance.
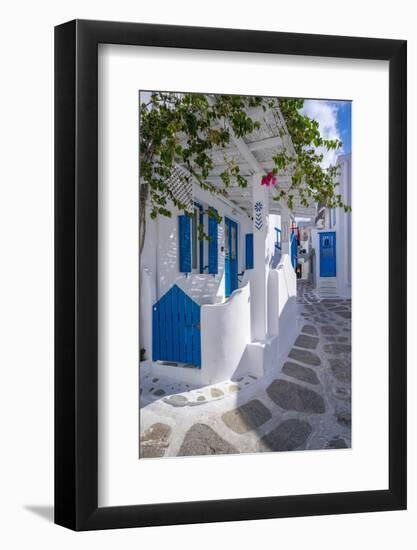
(231, 257)
(328, 254)
(176, 328)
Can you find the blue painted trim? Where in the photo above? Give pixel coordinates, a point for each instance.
(293, 249)
(213, 263)
(201, 241)
(184, 242)
(249, 250)
(278, 238)
(258, 215)
(156, 346)
(231, 265)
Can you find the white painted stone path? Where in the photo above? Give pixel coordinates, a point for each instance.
(304, 404)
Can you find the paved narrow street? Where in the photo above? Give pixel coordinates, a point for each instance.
(305, 403)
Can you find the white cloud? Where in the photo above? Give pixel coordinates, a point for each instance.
(325, 112)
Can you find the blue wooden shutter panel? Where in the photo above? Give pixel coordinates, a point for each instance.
(184, 242)
(201, 251)
(249, 250)
(213, 246)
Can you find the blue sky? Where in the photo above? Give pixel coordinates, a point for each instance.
(344, 122)
(335, 121)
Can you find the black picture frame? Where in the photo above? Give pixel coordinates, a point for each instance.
(76, 272)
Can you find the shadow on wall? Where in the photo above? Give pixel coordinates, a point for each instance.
(225, 334)
(282, 302)
(203, 288)
(288, 329)
(227, 347)
(167, 261)
(276, 258)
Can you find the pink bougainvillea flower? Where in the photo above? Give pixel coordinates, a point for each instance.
(269, 179)
(266, 180)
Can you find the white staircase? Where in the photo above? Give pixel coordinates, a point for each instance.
(327, 287)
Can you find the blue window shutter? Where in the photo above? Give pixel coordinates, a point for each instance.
(249, 250)
(201, 251)
(185, 243)
(213, 246)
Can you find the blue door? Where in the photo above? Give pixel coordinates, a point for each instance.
(176, 328)
(294, 250)
(231, 256)
(328, 254)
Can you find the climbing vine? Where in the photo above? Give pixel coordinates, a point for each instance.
(186, 128)
(312, 182)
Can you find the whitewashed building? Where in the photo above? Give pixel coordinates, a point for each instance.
(332, 241)
(211, 310)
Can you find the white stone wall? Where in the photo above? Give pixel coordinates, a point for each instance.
(161, 252)
(342, 226)
(225, 334)
(274, 253)
(282, 303)
(227, 346)
(287, 302)
(159, 262)
(344, 229)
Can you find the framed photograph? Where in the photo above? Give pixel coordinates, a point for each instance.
(230, 337)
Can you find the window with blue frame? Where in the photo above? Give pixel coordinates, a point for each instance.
(196, 253)
(277, 238)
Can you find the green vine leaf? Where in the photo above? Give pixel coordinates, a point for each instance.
(185, 128)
